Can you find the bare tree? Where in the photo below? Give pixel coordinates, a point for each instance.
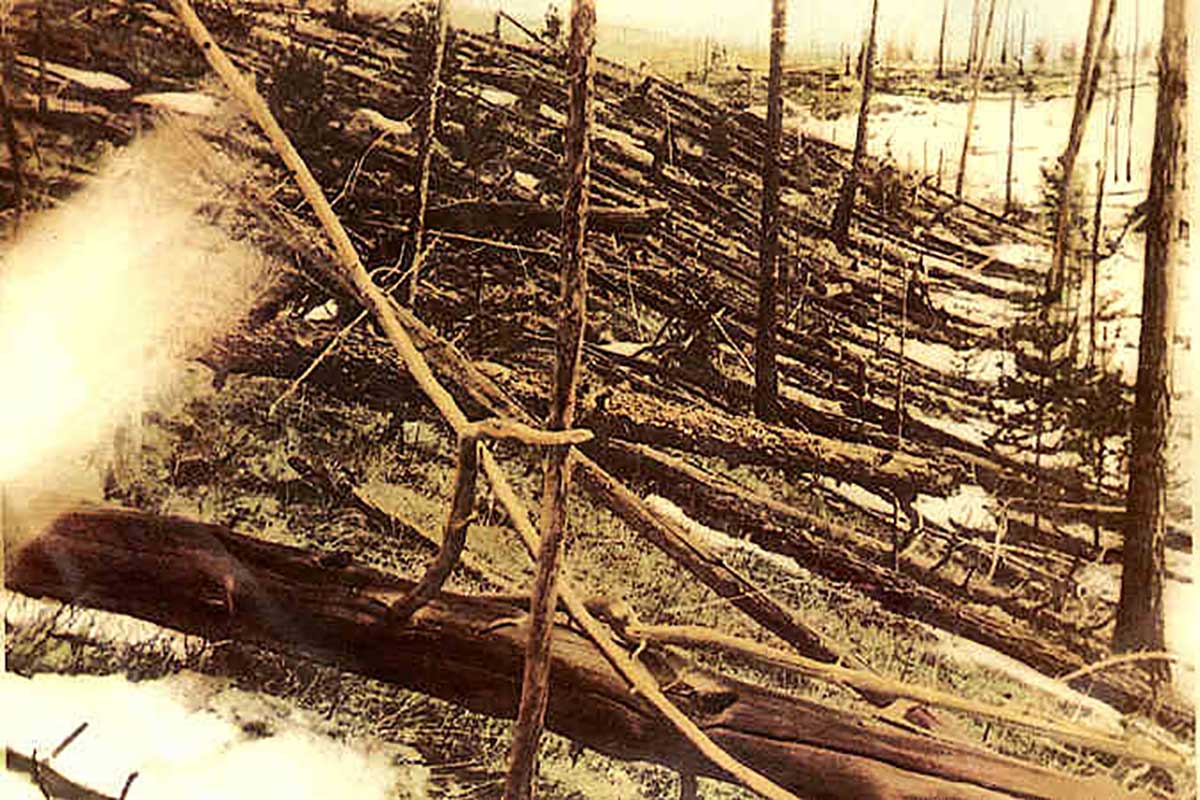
(535, 683)
(1133, 76)
(972, 50)
(941, 73)
(1083, 98)
(428, 138)
(766, 380)
(1140, 612)
(982, 57)
(845, 207)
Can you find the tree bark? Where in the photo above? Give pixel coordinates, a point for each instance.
(1140, 611)
(766, 379)
(1054, 280)
(441, 22)
(204, 579)
(981, 58)
(572, 314)
(941, 71)
(845, 206)
(1012, 135)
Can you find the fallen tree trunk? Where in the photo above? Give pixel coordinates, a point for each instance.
(474, 216)
(839, 552)
(205, 579)
(1127, 690)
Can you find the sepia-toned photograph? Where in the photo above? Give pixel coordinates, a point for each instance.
(596, 400)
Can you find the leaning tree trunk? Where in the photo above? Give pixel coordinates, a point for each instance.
(981, 58)
(766, 379)
(535, 684)
(1140, 612)
(1054, 281)
(428, 138)
(845, 206)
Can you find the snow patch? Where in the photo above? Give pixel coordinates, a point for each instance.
(718, 540)
(189, 736)
(966, 652)
(373, 120)
(195, 103)
(526, 181)
(99, 81)
(498, 97)
(863, 498)
(971, 507)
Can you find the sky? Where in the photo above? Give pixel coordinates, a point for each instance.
(832, 22)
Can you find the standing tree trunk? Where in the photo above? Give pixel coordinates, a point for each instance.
(980, 60)
(1140, 612)
(428, 138)
(1133, 76)
(766, 381)
(1012, 140)
(1054, 280)
(845, 206)
(1097, 214)
(1021, 57)
(973, 49)
(941, 73)
(571, 318)
(1007, 33)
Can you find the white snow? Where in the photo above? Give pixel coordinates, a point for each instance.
(526, 181)
(374, 120)
(498, 97)
(718, 540)
(323, 313)
(971, 507)
(186, 736)
(863, 498)
(100, 81)
(194, 103)
(966, 652)
(972, 429)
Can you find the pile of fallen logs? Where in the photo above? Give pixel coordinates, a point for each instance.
(658, 230)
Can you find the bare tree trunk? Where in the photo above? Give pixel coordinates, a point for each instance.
(973, 49)
(428, 139)
(975, 84)
(1054, 281)
(1133, 76)
(845, 206)
(572, 315)
(1021, 58)
(1097, 211)
(1140, 612)
(1007, 33)
(766, 380)
(941, 73)
(1012, 136)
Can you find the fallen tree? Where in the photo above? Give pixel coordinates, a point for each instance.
(206, 580)
(829, 548)
(478, 215)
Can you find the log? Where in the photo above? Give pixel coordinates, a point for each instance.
(207, 580)
(843, 554)
(816, 547)
(707, 431)
(477, 216)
